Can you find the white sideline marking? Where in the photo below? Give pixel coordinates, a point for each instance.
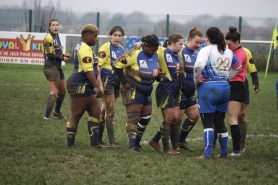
(250, 136)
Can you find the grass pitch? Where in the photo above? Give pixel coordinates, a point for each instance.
(33, 151)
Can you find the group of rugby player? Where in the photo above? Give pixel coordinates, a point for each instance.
(217, 72)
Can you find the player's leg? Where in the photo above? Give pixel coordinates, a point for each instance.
(78, 107)
(102, 125)
(207, 121)
(242, 118)
(146, 114)
(233, 112)
(93, 120)
(175, 129)
(192, 117)
(222, 133)
(60, 99)
(53, 76)
(242, 126)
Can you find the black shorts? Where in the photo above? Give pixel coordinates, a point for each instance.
(238, 91)
(53, 72)
(247, 96)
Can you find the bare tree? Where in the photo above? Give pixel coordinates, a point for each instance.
(25, 14)
(40, 17)
(140, 32)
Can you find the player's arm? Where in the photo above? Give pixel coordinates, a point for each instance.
(199, 66)
(255, 81)
(87, 58)
(121, 63)
(49, 49)
(235, 68)
(254, 75)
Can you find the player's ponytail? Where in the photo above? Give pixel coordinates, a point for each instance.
(216, 37)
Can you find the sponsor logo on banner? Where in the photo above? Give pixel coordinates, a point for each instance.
(22, 47)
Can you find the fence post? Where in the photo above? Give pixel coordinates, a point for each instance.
(97, 45)
(167, 25)
(239, 24)
(30, 20)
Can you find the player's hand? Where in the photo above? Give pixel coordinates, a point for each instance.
(198, 83)
(125, 88)
(256, 88)
(66, 57)
(137, 45)
(99, 91)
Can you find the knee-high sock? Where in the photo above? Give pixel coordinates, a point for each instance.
(174, 135)
(208, 141)
(235, 137)
(141, 127)
(50, 104)
(59, 102)
(101, 129)
(157, 136)
(93, 125)
(223, 141)
(71, 132)
(165, 134)
(186, 127)
(243, 132)
(131, 133)
(110, 128)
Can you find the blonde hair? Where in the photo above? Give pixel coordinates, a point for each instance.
(89, 28)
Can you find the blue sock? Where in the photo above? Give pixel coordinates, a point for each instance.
(59, 102)
(138, 140)
(93, 126)
(223, 141)
(208, 141)
(186, 127)
(157, 137)
(50, 104)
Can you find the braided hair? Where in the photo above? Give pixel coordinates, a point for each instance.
(150, 40)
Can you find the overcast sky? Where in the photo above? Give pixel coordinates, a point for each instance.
(244, 8)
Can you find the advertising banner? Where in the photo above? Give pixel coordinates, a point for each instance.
(23, 47)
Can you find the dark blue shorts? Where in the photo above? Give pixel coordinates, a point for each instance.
(53, 72)
(167, 94)
(188, 93)
(136, 97)
(111, 84)
(79, 86)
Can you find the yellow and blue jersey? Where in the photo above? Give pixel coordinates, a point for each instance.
(251, 68)
(188, 58)
(107, 55)
(169, 62)
(139, 66)
(53, 46)
(83, 60)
